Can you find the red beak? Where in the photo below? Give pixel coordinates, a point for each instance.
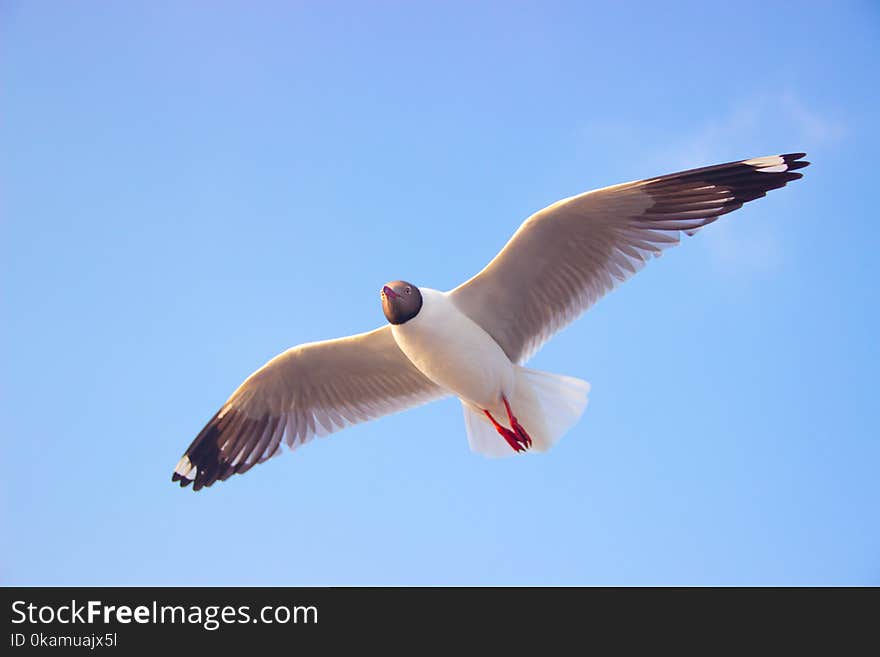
(391, 294)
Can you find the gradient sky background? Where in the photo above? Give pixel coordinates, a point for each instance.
(189, 188)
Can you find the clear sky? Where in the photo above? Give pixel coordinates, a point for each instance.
(189, 188)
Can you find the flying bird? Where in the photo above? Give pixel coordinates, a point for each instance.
(472, 341)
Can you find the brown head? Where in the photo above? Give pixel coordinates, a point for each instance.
(401, 301)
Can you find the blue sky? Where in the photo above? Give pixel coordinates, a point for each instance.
(179, 179)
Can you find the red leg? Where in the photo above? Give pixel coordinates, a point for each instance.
(510, 436)
(517, 438)
(516, 426)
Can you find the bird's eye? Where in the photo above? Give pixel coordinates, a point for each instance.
(408, 290)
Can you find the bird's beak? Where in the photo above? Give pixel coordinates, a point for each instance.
(391, 294)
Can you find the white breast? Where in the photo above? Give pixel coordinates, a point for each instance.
(454, 352)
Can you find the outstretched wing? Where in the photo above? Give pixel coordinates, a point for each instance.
(312, 389)
(566, 256)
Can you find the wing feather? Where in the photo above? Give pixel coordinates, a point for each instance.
(312, 389)
(566, 256)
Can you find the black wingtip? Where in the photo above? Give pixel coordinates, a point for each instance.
(204, 462)
(184, 482)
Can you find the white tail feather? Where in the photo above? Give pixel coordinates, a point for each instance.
(546, 405)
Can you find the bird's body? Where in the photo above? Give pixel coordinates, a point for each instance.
(454, 352)
(462, 359)
(472, 341)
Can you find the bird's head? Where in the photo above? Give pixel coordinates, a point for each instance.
(401, 301)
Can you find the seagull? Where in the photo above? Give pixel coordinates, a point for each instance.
(471, 342)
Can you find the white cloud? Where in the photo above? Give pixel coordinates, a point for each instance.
(817, 130)
(744, 250)
(761, 125)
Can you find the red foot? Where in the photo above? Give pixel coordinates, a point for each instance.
(516, 426)
(518, 439)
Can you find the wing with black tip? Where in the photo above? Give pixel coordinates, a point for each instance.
(313, 389)
(566, 256)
